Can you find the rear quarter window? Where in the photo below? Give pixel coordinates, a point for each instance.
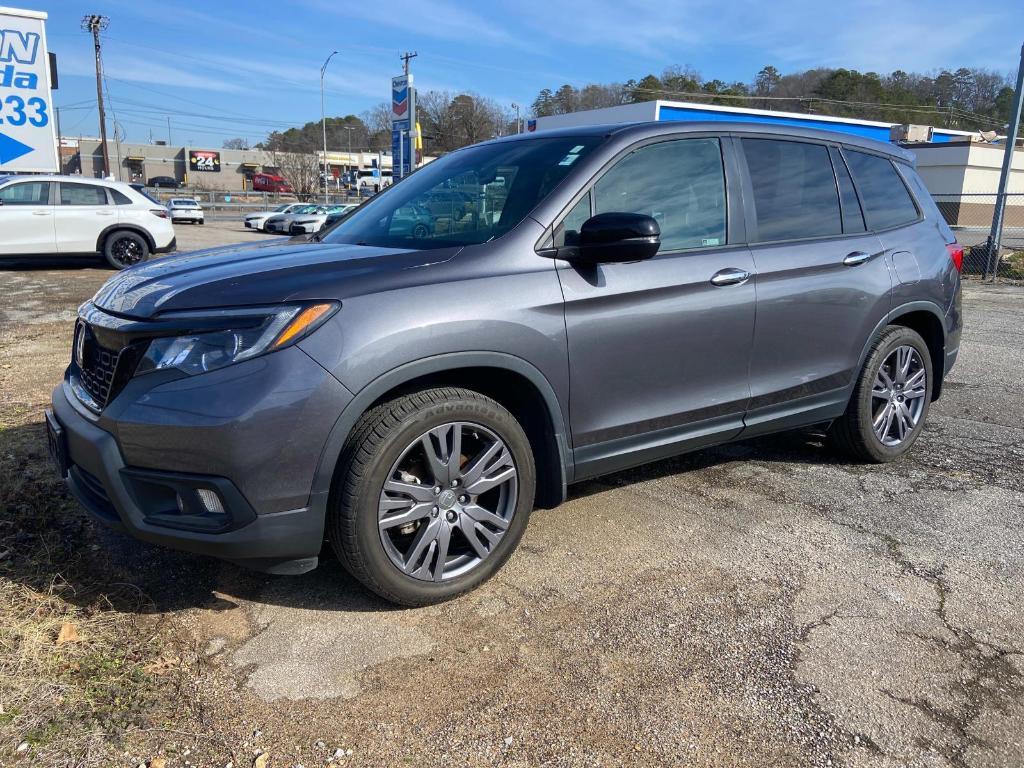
(884, 197)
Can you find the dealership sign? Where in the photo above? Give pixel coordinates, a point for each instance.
(203, 160)
(27, 139)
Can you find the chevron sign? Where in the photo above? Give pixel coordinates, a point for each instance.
(400, 87)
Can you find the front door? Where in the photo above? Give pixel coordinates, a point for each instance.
(659, 349)
(26, 219)
(83, 213)
(822, 283)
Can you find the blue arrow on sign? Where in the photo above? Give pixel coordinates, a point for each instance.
(12, 149)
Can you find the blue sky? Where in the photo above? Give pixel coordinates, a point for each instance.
(224, 69)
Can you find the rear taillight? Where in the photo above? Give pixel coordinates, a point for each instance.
(956, 253)
(161, 212)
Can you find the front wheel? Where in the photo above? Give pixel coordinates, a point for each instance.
(125, 249)
(890, 401)
(434, 492)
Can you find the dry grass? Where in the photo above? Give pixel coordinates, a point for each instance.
(77, 699)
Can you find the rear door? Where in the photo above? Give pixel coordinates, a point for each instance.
(658, 352)
(823, 282)
(83, 212)
(916, 247)
(26, 218)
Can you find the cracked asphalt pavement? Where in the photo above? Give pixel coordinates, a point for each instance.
(760, 603)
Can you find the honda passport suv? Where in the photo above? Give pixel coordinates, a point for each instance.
(612, 296)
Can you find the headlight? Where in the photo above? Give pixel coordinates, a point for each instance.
(246, 333)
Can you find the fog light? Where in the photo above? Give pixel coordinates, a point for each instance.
(210, 500)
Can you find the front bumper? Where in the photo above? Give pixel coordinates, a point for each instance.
(128, 465)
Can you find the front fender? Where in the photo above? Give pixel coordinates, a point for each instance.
(372, 392)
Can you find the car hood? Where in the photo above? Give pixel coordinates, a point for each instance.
(266, 273)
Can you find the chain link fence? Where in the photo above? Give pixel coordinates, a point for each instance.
(970, 216)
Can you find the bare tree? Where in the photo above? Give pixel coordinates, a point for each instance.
(237, 143)
(378, 126)
(301, 170)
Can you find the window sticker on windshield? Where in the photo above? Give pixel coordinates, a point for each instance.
(576, 150)
(709, 241)
(569, 159)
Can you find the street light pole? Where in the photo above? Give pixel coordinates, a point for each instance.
(348, 130)
(323, 117)
(516, 108)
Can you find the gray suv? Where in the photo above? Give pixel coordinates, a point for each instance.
(611, 296)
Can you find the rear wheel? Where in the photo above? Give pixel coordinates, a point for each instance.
(890, 402)
(124, 249)
(434, 492)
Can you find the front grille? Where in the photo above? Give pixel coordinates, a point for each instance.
(102, 371)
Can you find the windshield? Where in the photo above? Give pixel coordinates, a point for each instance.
(468, 197)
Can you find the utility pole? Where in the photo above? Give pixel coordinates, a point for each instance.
(168, 130)
(96, 24)
(996, 235)
(323, 118)
(405, 57)
(516, 108)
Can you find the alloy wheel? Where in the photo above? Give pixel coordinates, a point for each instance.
(126, 251)
(448, 501)
(898, 395)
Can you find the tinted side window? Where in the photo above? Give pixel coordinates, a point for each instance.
(120, 198)
(795, 193)
(887, 203)
(853, 217)
(29, 193)
(680, 183)
(82, 194)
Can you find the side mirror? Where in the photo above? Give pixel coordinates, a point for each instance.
(615, 236)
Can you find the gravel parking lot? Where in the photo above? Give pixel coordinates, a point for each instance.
(761, 603)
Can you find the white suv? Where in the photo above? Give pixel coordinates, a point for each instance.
(73, 215)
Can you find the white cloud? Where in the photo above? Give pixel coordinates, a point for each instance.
(124, 66)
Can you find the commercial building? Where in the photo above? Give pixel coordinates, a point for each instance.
(668, 111)
(216, 169)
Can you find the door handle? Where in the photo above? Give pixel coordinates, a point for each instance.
(730, 276)
(104, 213)
(40, 213)
(855, 258)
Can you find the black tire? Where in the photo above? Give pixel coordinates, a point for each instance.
(853, 432)
(124, 248)
(420, 231)
(376, 443)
